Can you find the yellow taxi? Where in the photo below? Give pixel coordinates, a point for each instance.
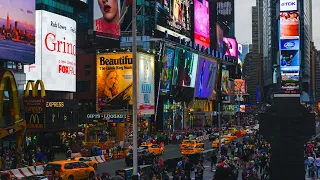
(230, 137)
(88, 161)
(192, 149)
(153, 148)
(243, 132)
(215, 143)
(69, 170)
(233, 130)
(192, 143)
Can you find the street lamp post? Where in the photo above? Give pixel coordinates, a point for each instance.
(134, 91)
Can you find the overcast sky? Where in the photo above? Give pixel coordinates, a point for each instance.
(243, 21)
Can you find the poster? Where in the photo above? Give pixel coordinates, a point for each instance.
(201, 23)
(225, 81)
(146, 84)
(114, 80)
(166, 71)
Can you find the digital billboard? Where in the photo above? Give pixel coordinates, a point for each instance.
(289, 45)
(106, 16)
(289, 25)
(220, 42)
(206, 77)
(174, 17)
(146, 84)
(184, 68)
(240, 86)
(55, 62)
(166, 70)
(231, 47)
(201, 23)
(17, 30)
(225, 81)
(225, 16)
(114, 79)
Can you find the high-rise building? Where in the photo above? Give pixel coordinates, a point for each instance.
(317, 76)
(252, 70)
(8, 21)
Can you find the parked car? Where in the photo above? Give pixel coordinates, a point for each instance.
(144, 157)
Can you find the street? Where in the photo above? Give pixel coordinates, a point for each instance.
(171, 151)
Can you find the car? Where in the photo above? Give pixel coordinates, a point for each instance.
(153, 148)
(88, 161)
(144, 157)
(215, 143)
(230, 137)
(69, 170)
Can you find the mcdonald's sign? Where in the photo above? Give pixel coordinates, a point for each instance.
(34, 103)
(34, 121)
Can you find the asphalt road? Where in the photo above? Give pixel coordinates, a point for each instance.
(171, 151)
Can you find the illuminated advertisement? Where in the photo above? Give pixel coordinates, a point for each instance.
(17, 30)
(240, 86)
(174, 17)
(55, 62)
(106, 16)
(225, 15)
(225, 81)
(289, 45)
(166, 71)
(114, 79)
(146, 84)
(240, 56)
(289, 25)
(288, 5)
(201, 23)
(231, 47)
(206, 77)
(220, 42)
(185, 68)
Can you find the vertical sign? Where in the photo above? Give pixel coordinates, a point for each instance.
(146, 84)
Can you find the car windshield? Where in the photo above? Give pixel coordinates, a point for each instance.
(53, 167)
(143, 147)
(188, 142)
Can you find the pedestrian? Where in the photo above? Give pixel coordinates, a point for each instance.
(213, 160)
(317, 164)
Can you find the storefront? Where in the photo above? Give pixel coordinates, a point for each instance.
(173, 115)
(200, 112)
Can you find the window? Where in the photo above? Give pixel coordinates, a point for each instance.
(83, 165)
(68, 166)
(87, 70)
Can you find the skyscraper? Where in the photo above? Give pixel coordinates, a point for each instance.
(8, 21)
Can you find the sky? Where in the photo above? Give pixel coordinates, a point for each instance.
(243, 26)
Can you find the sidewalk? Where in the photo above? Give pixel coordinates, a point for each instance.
(208, 174)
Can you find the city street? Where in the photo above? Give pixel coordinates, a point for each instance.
(171, 151)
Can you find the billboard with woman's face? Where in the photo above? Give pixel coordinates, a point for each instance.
(106, 16)
(114, 80)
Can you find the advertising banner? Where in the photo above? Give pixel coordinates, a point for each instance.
(225, 15)
(17, 30)
(201, 23)
(55, 61)
(185, 68)
(288, 5)
(231, 47)
(174, 17)
(146, 84)
(34, 120)
(225, 81)
(240, 86)
(166, 71)
(114, 79)
(289, 25)
(289, 45)
(206, 77)
(220, 42)
(106, 16)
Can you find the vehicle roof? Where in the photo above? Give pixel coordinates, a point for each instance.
(63, 161)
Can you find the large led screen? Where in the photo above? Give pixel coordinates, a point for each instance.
(220, 42)
(55, 62)
(231, 47)
(201, 23)
(17, 30)
(146, 84)
(225, 15)
(185, 68)
(166, 71)
(106, 16)
(114, 80)
(289, 25)
(240, 86)
(174, 16)
(206, 77)
(289, 49)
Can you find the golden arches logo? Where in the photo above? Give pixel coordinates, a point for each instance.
(34, 88)
(7, 78)
(34, 119)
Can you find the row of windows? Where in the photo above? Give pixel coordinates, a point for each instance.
(56, 4)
